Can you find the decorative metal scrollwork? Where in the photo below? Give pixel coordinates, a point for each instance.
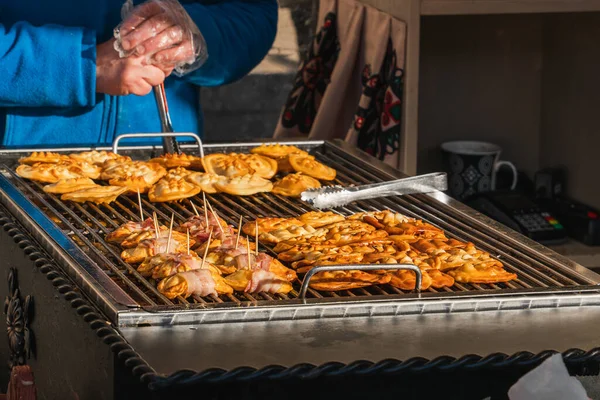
(18, 313)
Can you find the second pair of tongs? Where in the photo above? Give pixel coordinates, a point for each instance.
(170, 145)
(337, 196)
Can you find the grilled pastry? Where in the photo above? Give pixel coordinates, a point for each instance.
(269, 224)
(265, 262)
(149, 171)
(177, 173)
(205, 181)
(293, 185)
(171, 190)
(311, 167)
(244, 185)
(49, 173)
(98, 194)
(331, 281)
(473, 273)
(226, 165)
(263, 166)
(70, 185)
(415, 230)
(337, 258)
(98, 157)
(133, 184)
(440, 279)
(130, 228)
(311, 251)
(43, 157)
(258, 281)
(407, 280)
(381, 219)
(317, 219)
(199, 282)
(178, 160)
(276, 150)
(293, 231)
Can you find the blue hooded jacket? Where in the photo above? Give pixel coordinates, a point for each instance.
(48, 69)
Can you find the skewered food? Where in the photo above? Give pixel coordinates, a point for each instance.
(43, 157)
(226, 165)
(151, 247)
(69, 185)
(166, 264)
(98, 157)
(263, 166)
(205, 181)
(198, 282)
(293, 185)
(309, 166)
(49, 173)
(97, 194)
(178, 160)
(257, 281)
(244, 185)
(172, 189)
(129, 228)
(135, 239)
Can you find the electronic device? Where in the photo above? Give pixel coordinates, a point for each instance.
(581, 222)
(522, 214)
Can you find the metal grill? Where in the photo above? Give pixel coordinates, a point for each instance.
(87, 224)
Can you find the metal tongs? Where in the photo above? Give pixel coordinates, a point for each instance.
(337, 196)
(170, 144)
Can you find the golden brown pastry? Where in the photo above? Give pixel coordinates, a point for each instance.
(311, 167)
(317, 219)
(151, 247)
(474, 273)
(291, 232)
(98, 157)
(331, 281)
(166, 264)
(276, 150)
(172, 190)
(226, 165)
(199, 282)
(132, 183)
(263, 166)
(151, 172)
(178, 160)
(97, 194)
(43, 157)
(135, 239)
(407, 280)
(205, 181)
(244, 185)
(178, 173)
(293, 185)
(69, 185)
(269, 224)
(257, 281)
(49, 173)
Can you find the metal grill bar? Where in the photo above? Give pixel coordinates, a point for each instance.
(87, 224)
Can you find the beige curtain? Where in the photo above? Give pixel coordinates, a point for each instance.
(349, 85)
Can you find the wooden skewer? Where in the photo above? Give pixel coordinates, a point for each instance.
(205, 209)
(170, 233)
(256, 240)
(237, 239)
(248, 249)
(187, 231)
(140, 204)
(216, 216)
(155, 219)
(194, 208)
(207, 246)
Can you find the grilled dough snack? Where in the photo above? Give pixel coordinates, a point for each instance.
(317, 219)
(178, 160)
(309, 166)
(266, 225)
(172, 189)
(149, 171)
(249, 281)
(293, 185)
(279, 152)
(97, 194)
(263, 166)
(69, 185)
(50, 173)
(244, 185)
(331, 281)
(205, 181)
(98, 157)
(43, 157)
(226, 165)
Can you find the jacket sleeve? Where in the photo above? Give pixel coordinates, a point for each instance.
(238, 35)
(47, 66)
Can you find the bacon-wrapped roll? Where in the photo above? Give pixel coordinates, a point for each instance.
(199, 282)
(249, 281)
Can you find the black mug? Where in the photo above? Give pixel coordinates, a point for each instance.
(472, 167)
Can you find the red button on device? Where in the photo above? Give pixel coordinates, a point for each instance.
(592, 215)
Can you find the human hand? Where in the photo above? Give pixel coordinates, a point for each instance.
(122, 76)
(162, 32)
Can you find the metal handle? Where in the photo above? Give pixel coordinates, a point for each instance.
(115, 145)
(359, 267)
(169, 144)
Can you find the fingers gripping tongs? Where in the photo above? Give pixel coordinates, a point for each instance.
(170, 144)
(337, 196)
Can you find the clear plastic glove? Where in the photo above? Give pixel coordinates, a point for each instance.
(122, 76)
(163, 33)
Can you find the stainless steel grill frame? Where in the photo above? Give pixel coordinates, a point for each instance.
(74, 234)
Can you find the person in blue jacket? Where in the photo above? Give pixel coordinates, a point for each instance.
(63, 84)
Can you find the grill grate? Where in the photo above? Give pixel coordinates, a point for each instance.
(87, 224)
